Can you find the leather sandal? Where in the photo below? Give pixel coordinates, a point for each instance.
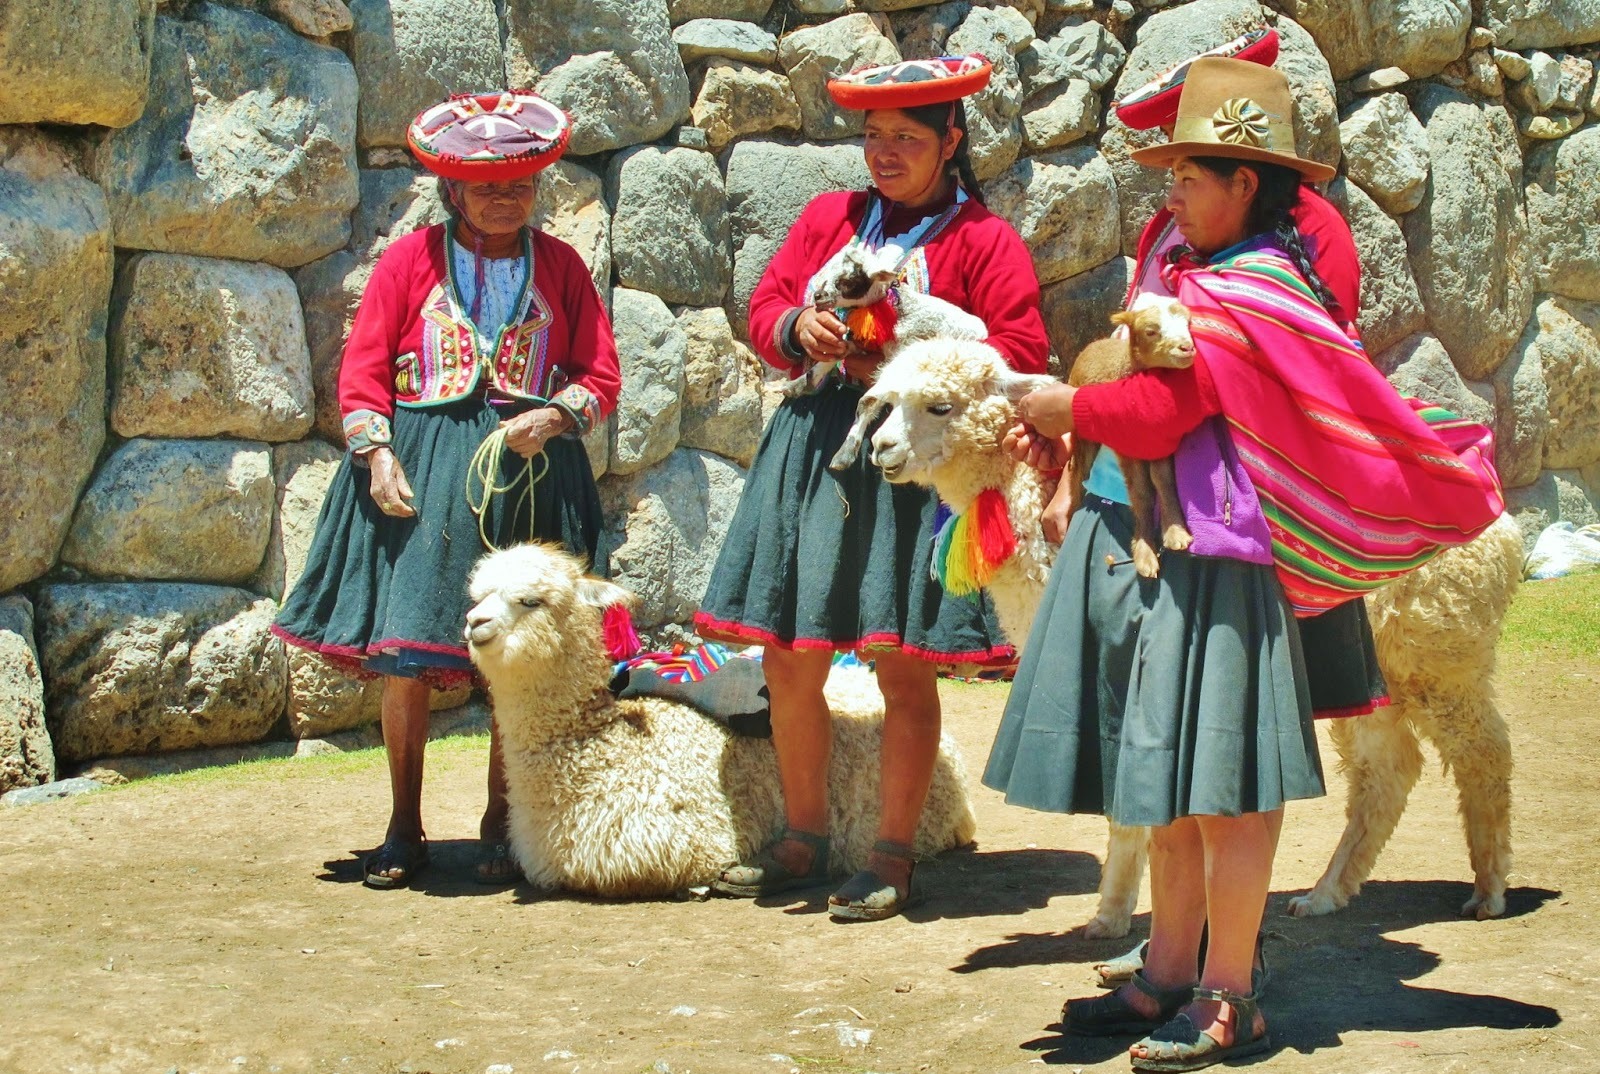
(1180, 1046)
(402, 857)
(1111, 1016)
(867, 896)
(766, 875)
(1114, 972)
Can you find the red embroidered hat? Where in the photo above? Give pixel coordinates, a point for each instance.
(911, 83)
(1155, 104)
(488, 137)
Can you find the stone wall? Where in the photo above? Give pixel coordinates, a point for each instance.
(192, 197)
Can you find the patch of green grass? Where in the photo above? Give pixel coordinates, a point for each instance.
(1557, 618)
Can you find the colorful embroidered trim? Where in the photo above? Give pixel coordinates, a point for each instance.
(365, 430)
(970, 547)
(579, 403)
(680, 664)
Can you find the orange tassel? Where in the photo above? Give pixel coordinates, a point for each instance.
(872, 326)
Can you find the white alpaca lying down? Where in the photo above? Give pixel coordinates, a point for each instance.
(1436, 629)
(646, 797)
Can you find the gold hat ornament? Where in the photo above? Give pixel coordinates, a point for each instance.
(1235, 109)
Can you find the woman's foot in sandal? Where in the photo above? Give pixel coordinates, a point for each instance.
(879, 891)
(1137, 1007)
(495, 865)
(1115, 972)
(797, 860)
(1219, 1025)
(396, 863)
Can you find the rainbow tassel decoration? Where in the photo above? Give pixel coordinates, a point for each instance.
(872, 326)
(969, 548)
(622, 641)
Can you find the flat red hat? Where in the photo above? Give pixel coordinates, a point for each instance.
(911, 83)
(487, 137)
(1155, 104)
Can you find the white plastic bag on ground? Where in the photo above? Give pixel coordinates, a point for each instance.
(1563, 549)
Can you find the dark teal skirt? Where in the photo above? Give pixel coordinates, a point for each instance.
(1149, 700)
(818, 560)
(394, 590)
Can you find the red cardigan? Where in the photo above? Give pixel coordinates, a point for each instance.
(1146, 415)
(978, 263)
(404, 348)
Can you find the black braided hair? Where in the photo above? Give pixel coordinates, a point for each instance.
(940, 118)
(1277, 194)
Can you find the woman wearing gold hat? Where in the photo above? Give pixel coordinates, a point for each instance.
(816, 562)
(1181, 702)
(468, 331)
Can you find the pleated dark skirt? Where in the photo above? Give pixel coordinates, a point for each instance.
(376, 586)
(1342, 669)
(1146, 701)
(818, 560)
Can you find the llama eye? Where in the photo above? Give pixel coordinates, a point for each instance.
(531, 602)
(940, 409)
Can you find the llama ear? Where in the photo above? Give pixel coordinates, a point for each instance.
(599, 593)
(1014, 385)
(1122, 317)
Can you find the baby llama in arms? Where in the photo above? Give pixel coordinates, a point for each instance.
(1436, 630)
(647, 797)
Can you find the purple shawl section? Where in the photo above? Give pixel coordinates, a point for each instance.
(1219, 501)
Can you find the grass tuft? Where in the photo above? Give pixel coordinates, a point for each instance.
(1558, 618)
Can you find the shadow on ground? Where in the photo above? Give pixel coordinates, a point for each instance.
(1331, 975)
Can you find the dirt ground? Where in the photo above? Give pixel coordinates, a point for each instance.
(220, 925)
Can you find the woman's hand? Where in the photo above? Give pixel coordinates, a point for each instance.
(1040, 452)
(389, 487)
(527, 434)
(1054, 520)
(820, 334)
(1048, 411)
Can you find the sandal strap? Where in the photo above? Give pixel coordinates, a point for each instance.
(1244, 1007)
(890, 849)
(1164, 997)
(818, 843)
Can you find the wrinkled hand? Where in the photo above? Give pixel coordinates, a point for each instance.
(820, 334)
(389, 488)
(1054, 520)
(527, 434)
(1040, 452)
(1048, 411)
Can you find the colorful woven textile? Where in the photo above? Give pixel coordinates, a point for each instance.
(911, 83)
(1359, 485)
(681, 665)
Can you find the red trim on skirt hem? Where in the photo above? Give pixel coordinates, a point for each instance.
(720, 630)
(1352, 710)
(351, 659)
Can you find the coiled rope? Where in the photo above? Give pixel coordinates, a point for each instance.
(483, 469)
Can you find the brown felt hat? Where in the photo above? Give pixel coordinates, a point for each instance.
(1235, 109)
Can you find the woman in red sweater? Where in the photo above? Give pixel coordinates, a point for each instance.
(816, 562)
(467, 330)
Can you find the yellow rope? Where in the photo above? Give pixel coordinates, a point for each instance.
(485, 462)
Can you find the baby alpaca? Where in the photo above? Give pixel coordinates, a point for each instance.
(1157, 338)
(647, 797)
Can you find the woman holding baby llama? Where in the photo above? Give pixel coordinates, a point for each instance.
(817, 562)
(1181, 702)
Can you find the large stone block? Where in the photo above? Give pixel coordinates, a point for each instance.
(571, 206)
(815, 54)
(1391, 309)
(205, 347)
(1064, 205)
(669, 235)
(681, 11)
(1418, 366)
(1078, 310)
(1525, 24)
(83, 62)
(652, 349)
(923, 31)
(1386, 151)
(55, 285)
(410, 54)
(1084, 50)
(197, 510)
(665, 528)
(768, 185)
(728, 38)
(1420, 36)
(722, 388)
(1568, 342)
(313, 18)
(738, 99)
(994, 113)
(139, 668)
(1468, 238)
(1563, 200)
(27, 758)
(1522, 411)
(246, 148)
(303, 472)
(610, 63)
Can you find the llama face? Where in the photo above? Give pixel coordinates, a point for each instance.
(1158, 333)
(533, 603)
(856, 276)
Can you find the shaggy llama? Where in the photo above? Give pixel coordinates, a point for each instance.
(1436, 629)
(647, 797)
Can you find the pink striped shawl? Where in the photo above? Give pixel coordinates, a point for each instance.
(1359, 485)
